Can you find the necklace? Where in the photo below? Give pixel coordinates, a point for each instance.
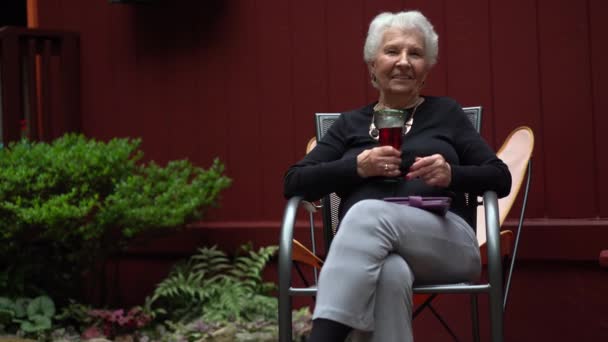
(418, 101)
(409, 121)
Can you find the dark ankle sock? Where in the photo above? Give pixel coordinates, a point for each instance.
(325, 330)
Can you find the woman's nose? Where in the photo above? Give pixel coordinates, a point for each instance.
(403, 59)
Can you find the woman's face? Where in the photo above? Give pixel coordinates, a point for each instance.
(400, 66)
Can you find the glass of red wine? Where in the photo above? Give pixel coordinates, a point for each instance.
(390, 123)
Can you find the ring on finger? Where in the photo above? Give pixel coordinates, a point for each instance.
(386, 167)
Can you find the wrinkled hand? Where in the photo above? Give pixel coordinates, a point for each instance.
(379, 161)
(433, 170)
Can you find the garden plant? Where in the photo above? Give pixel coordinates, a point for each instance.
(68, 205)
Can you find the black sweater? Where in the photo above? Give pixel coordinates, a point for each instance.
(440, 126)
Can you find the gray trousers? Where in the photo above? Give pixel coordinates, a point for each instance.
(378, 252)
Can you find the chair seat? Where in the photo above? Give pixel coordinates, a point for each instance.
(452, 288)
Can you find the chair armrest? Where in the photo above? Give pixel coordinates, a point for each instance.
(287, 229)
(490, 203)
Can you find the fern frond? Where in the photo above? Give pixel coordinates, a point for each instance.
(211, 260)
(218, 288)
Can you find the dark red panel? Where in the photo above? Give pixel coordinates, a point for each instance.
(516, 84)
(468, 64)
(191, 125)
(540, 293)
(567, 110)
(151, 89)
(199, 129)
(242, 109)
(347, 73)
(310, 70)
(98, 98)
(51, 13)
(275, 103)
(599, 69)
(373, 8)
(125, 117)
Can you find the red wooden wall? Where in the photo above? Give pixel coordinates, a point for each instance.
(240, 80)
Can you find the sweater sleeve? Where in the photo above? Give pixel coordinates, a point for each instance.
(479, 169)
(325, 169)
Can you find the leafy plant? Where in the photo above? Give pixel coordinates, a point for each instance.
(212, 286)
(31, 316)
(67, 205)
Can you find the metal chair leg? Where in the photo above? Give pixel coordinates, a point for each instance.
(285, 264)
(495, 272)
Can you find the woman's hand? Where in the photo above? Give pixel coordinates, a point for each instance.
(433, 170)
(379, 161)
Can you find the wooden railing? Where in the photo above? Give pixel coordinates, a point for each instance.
(39, 83)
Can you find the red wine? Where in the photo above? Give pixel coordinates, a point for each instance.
(391, 136)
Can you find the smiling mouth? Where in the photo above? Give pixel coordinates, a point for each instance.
(402, 77)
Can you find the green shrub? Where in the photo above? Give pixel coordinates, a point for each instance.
(67, 205)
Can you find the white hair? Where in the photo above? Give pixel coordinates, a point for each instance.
(401, 20)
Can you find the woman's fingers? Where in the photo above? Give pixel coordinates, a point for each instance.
(389, 169)
(433, 170)
(422, 166)
(387, 151)
(388, 161)
(379, 161)
(435, 177)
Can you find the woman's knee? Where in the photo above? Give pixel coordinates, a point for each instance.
(365, 213)
(396, 277)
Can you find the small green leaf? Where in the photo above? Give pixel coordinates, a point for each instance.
(36, 323)
(41, 306)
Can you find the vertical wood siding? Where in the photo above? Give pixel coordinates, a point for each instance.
(240, 80)
(598, 29)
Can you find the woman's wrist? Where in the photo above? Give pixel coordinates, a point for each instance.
(361, 158)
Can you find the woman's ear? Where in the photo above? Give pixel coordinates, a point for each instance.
(371, 66)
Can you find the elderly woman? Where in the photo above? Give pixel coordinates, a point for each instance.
(382, 248)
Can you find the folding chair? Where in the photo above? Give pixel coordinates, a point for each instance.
(329, 206)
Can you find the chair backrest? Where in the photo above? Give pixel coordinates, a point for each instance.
(331, 202)
(516, 152)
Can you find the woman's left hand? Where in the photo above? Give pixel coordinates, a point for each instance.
(434, 170)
